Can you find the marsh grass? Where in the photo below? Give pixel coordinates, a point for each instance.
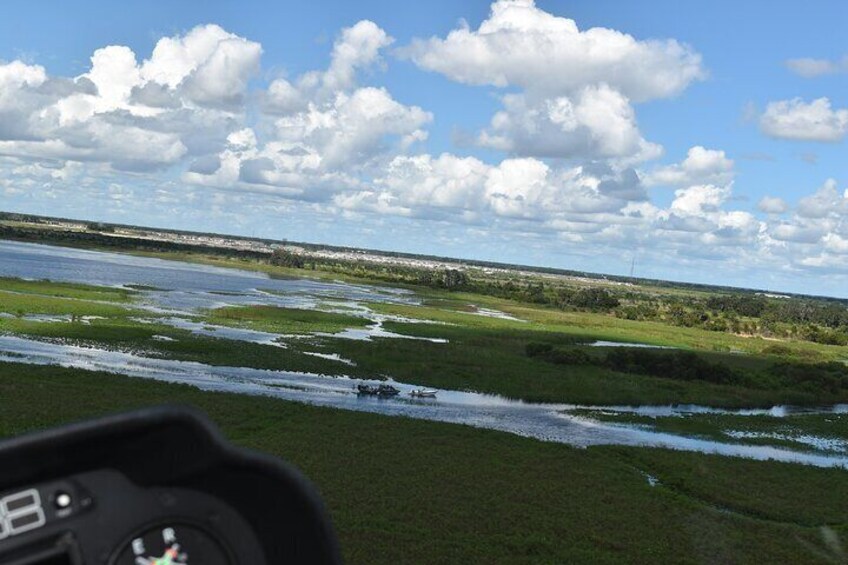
(66, 290)
(714, 426)
(402, 490)
(483, 354)
(589, 326)
(281, 320)
(21, 304)
(138, 338)
(494, 361)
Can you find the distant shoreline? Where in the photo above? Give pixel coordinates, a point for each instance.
(122, 237)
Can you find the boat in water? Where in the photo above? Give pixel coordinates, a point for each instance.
(381, 390)
(423, 393)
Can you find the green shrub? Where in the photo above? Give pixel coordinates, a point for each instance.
(285, 258)
(680, 365)
(537, 349)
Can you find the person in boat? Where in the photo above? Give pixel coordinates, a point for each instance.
(387, 390)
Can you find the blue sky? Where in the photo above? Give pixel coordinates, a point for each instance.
(707, 144)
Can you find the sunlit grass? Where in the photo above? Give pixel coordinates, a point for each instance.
(281, 320)
(482, 354)
(599, 326)
(21, 304)
(66, 290)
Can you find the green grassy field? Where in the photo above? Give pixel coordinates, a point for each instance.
(403, 490)
(20, 304)
(494, 361)
(284, 320)
(66, 290)
(589, 326)
(483, 354)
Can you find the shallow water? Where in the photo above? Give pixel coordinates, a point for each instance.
(331, 357)
(181, 286)
(780, 411)
(376, 330)
(604, 343)
(221, 332)
(489, 313)
(182, 289)
(540, 421)
(821, 443)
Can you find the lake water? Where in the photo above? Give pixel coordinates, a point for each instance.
(185, 288)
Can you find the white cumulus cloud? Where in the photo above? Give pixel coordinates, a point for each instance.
(697, 200)
(212, 65)
(182, 101)
(701, 166)
(772, 205)
(576, 86)
(322, 131)
(826, 201)
(809, 67)
(799, 120)
(597, 122)
(522, 45)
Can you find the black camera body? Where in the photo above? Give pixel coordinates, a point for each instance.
(157, 486)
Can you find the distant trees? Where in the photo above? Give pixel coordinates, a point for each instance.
(449, 279)
(821, 321)
(740, 304)
(591, 298)
(535, 293)
(686, 317)
(811, 332)
(594, 298)
(640, 311)
(454, 279)
(100, 227)
(282, 257)
(831, 315)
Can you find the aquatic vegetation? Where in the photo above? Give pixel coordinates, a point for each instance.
(20, 304)
(67, 290)
(285, 320)
(469, 352)
(141, 333)
(825, 431)
(563, 503)
(544, 359)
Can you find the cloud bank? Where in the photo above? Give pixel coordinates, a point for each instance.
(567, 163)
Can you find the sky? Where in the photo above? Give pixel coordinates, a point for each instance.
(694, 143)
